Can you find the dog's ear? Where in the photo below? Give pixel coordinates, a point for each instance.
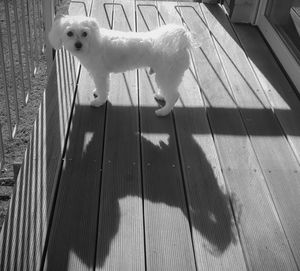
(93, 25)
(56, 32)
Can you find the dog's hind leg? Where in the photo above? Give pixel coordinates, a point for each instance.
(168, 82)
(171, 98)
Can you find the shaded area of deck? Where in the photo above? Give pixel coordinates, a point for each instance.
(213, 186)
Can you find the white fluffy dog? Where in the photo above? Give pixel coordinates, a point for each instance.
(102, 51)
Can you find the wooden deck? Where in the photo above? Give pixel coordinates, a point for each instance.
(213, 186)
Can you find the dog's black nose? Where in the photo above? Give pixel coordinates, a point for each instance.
(78, 45)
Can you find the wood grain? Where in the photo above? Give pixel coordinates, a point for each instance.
(78, 178)
(212, 219)
(167, 229)
(120, 243)
(275, 154)
(249, 194)
(271, 152)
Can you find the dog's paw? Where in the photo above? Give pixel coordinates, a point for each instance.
(97, 102)
(162, 112)
(160, 99)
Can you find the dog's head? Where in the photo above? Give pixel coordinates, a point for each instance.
(74, 32)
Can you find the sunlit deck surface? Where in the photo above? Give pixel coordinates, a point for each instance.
(213, 186)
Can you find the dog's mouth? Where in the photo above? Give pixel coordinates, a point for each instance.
(78, 49)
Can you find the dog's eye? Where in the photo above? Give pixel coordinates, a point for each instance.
(84, 34)
(70, 33)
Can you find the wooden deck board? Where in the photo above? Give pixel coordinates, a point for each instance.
(211, 215)
(167, 229)
(77, 198)
(120, 243)
(287, 170)
(280, 93)
(274, 154)
(212, 186)
(81, 204)
(245, 168)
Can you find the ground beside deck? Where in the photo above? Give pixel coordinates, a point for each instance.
(213, 186)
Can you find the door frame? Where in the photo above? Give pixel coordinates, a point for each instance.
(287, 59)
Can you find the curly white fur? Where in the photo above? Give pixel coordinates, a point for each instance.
(102, 51)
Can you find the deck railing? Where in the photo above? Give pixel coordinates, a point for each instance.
(38, 177)
(23, 28)
(21, 47)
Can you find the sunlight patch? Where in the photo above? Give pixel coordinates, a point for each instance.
(128, 240)
(198, 137)
(75, 262)
(123, 89)
(88, 137)
(277, 101)
(159, 140)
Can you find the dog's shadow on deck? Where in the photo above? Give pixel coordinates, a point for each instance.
(115, 176)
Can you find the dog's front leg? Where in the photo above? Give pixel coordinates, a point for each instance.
(100, 93)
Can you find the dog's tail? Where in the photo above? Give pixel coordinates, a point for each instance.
(182, 37)
(193, 39)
